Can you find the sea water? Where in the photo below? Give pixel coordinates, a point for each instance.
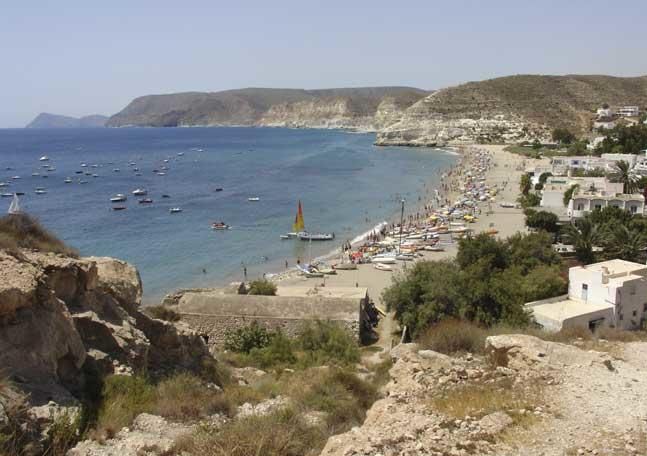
(346, 186)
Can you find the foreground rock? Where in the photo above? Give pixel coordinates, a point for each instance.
(65, 323)
(574, 402)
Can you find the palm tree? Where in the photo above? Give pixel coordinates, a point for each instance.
(568, 194)
(623, 174)
(627, 244)
(525, 183)
(585, 235)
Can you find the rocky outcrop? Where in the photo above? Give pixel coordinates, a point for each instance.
(46, 120)
(568, 401)
(65, 323)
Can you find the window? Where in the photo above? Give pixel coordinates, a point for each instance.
(598, 206)
(585, 291)
(580, 206)
(634, 313)
(645, 307)
(620, 317)
(633, 209)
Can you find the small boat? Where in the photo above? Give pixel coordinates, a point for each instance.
(346, 266)
(180, 154)
(219, 189)
(68, 180)
(161, 174)
(3, 184)
(116, 170)
(40, 191)
(304, 236)
(383, 259)
(94, 166)
(382, 267)
(434, 248)
(44, 176)
(166, 160)
(118, 198)
(83, 182)
(35, 174)
(118, 208)
(145, 201)
(83, 165)
(175, 210)
(95, 175)
(166, 196)
(253, 199)
(14, 207)
(16, 177)
(220, 226)
(19, 193)
(140, 192)
(6, 195)
(138, 174)
(44, 158)
(290, 235)
(404, 257)
(50, 169)
(75, 172)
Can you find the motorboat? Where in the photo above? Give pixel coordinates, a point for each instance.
(166, 196)
(118, 208)
(219, 189)
(145, 201)
(118, 198)
(140, 192)
(75, 172)
(68, 180)
(382, 267)
(253, 199)
(15, 177)
(116, 170)
(6, 195)
(35, 174)
(44, 158)
(304, 236)
(179, 154)
(220, 226)
(40, 191)
(19, 193)
(175, 210)
(3, 184)
(161, 174)
(95, 175)
(84, 165)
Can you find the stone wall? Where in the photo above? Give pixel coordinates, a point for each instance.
(215, 327)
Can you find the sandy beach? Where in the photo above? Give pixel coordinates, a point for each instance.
(505, 171)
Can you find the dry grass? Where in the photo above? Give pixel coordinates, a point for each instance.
(162, 312)
(22, 231)
(481, 399)
(454, 336)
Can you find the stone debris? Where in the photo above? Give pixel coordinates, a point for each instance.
(263, 408)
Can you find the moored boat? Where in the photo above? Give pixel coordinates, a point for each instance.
(305, 236)
(145, 201)
(118, 208)
(219, 226)
(175, 210)
(118, 198)
(140, 192)
(253, 199)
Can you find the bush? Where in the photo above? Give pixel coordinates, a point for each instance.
(327, 342)
(278, 353)
(542, 220)
(123, 398)
(454, 336)
(281, 433)
(244, 340)
(185, 397)
(162, 312)
(262, 287)
(21, 231)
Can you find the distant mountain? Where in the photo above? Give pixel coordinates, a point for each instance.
(366, 108)
(46, 120)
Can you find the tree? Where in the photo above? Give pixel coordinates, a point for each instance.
(624, 175)
(563, 136)
(585, 235)
(536, 144)
(626, 244)
(542, 220)
(525, 184)
(568, 194)
(529, 200)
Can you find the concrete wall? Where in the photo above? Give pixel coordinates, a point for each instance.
(216, 327)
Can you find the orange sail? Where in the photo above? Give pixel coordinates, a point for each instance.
(298, 225)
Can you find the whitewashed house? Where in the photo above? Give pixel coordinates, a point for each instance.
(607, 294)
(584, 202)
(552, 195)
(628, 111)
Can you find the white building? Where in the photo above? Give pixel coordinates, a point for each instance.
(552, 195)
(628, 111)
(587, 201)
(612, 294)
(605, 162)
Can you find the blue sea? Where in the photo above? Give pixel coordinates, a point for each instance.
(346, 186)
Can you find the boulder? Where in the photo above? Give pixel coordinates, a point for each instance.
(19, 284)
(120, 280)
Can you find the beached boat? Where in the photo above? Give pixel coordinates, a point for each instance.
(253, 199)
(118, 198)
(383, 259)
(434, 248)
(309, 271)
(382, 267)
(346, 266)
(220, 226)
(404, 257)
(175, 210)
(140, 192)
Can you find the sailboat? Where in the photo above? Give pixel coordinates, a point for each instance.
(14, 207)
(298, 226)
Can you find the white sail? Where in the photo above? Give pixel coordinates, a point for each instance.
(14, 207)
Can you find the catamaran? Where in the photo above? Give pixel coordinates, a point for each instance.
(298, 226)
(14, 207)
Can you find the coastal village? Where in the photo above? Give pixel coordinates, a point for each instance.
(488, 317)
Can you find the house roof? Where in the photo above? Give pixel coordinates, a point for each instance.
(615, 267)
(566, 308)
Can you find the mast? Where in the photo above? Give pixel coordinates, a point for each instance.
(14, 207)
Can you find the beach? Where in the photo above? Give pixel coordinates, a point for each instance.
(504, 172)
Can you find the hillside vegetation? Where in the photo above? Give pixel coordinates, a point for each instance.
(555, 101)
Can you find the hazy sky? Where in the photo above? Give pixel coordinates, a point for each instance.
(78, 57)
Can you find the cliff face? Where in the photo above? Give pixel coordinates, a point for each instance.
(46, 120)
(65, 323)
(511, 109)
(356, 108)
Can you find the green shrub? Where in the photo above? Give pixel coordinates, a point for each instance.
(162, 312)
(262, 287)
(185, 397)
(244, 340)
(123, 398)
(278, 353)
(326, 342)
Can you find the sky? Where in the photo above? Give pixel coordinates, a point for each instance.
(79, 57)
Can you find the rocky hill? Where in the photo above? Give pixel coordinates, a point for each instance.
(367, 108)
(46, 120)
(511, 108)
(67, 323)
